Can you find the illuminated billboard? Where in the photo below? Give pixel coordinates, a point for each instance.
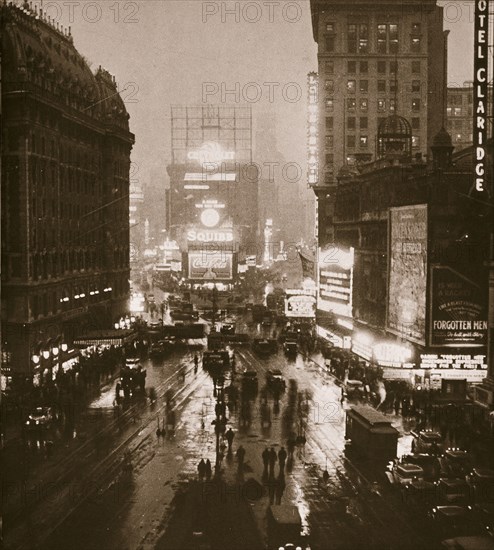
(207, 265)
(458, 314)
(300, 303)
(407, 272)
(336, 280)
(312, 131)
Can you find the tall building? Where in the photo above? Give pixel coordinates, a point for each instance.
(213, 189)
(65, 194)
(459, 114)
(374, 60)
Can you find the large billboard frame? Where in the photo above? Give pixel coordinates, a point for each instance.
(419, 336)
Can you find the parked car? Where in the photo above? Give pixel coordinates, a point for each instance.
(453, 491)
(354, 389)
(419, 493)
(455, 463)
(427, 441)
(459, 521)
(40, 418)
(401, 473)
(481, 481)
(469, 543)
(428, 463)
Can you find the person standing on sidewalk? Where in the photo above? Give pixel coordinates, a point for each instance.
(272, 461)
(240, 457)
(229, 437)
(282, 454)
(201, 469)
(265, 458)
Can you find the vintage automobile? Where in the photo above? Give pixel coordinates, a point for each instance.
(453, 520)
(402, 473)
(427, 441)
(428, 463)
(40, 418)
(290, 347)
(453, 491)
(455, 463)
(469, 543)
(285, 528)
(354, 389)
(275, 380)
(249, 381)
(481, 480)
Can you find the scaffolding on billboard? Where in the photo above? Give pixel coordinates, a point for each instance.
(230, 127)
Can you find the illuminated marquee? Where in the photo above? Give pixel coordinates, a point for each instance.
(206, 236)
(481, 50)
(312, 131)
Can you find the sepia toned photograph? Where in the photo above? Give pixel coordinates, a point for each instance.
(247, 275)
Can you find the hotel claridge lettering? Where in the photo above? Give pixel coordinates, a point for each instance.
(480, 91)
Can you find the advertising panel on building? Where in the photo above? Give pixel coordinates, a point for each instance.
(458, 315)
(336, 280)
(209, 265)
(300, 303)
(407, 272)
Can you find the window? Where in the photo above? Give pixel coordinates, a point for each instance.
(329, 67)
(393, 38)
(381, 105)
(329, 39)
(350, 141)
(393, 86)
(350, 105)
(392, 105)
(364, 104)
(415, 44)
(381, 39)
(329, 86)
(363, 123)
(351, 85)
(329, 142)
(329, 104)
(330, 27)
(357, 38)
(329, 123)
(415, 105)
(415, 123)
(457, 111)
(363, 141)
(351, 67)
(364, 86)
(364, 67)
(393, 67)
(352, 38)
(416, 67)
(351, 123)
(415, 85)
(381, 67)
(380, 120)
(415, 141)
(416, 28)
(381, 86)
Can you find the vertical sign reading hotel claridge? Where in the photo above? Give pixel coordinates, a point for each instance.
(480, 92)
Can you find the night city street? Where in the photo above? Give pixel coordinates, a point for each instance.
(247, 286)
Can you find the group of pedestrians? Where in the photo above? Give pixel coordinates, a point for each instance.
(270, 457)
(204, 469)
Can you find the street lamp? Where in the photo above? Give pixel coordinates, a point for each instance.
(64, 347)
(35, 359)
(46, 354)
(55, 351)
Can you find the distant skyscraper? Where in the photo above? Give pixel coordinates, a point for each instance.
(375, 60)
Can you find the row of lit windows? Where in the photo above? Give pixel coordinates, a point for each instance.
(459, 111)
(386, 34)
(381, 104)
(362, 141)
(364, 67)
(363, 86)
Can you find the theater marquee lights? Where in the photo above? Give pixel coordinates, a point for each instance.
(312, 131)
(480, 91)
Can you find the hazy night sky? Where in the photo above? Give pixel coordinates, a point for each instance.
(164, 48)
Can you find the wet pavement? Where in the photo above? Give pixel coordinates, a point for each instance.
(160, 504)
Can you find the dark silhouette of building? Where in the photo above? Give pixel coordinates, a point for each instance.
(65, 192)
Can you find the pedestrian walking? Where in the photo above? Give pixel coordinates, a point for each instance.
(282, 455)
(240, 456)
(229, 437)
(201, 469)
(291, 444)
(208, 469)
(265, 458)
(272, 460)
